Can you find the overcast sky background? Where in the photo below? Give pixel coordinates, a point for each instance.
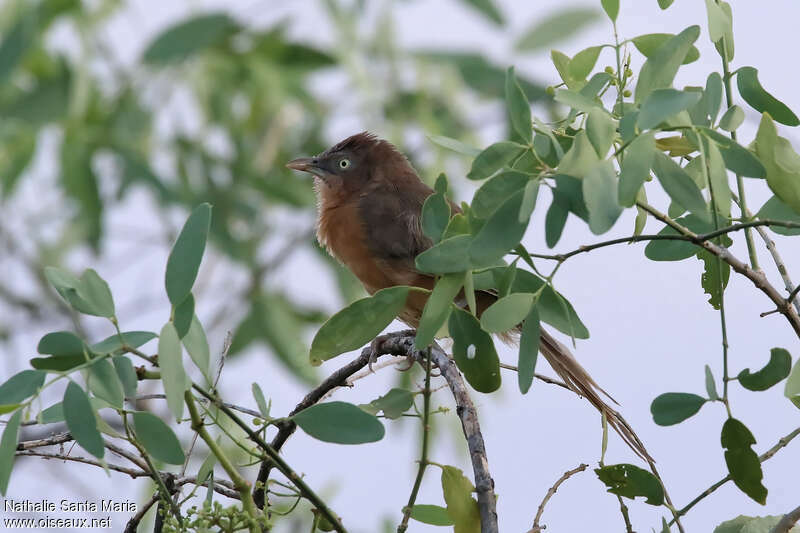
(651, 328)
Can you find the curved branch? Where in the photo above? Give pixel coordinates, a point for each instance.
(550, 492)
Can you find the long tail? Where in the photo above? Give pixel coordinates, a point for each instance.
(574, 375)
(578, 379)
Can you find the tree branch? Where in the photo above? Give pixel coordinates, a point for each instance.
(782, 442)
(788, 520)
(551, 492)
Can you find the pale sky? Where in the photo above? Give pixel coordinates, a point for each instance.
(651, 328)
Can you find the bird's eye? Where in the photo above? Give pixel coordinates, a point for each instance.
(344, 163)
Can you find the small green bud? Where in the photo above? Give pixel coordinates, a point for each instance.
(628, 73)
(626, 93)
(550, 90)
(258, 422)
(610, 71)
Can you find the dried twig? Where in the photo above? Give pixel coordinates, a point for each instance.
(551, 492)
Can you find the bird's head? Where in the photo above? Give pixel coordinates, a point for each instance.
(351, 164)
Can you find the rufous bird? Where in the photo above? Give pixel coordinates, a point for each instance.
(369, 203)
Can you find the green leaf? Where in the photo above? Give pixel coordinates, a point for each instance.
(580, 158)
(635, 168)
(435, 216)
(461, 506)
(743, 464)
(184, 259)
(528, 350)
(105, 384)
(339, 422)
(775, 209)
(126, 375)
(454, 145)
(357, 324)
(584, 61)
(188, 37)
(659, 70)
(433, 515)
(776, 370)
(496, 190)
(664, 4)
(732, 118)
(437, 308)
(519, 110)
(158, 438)
(662, 104)
(601, 131)
(173, 375)
(673, 408)
(81, 422)
(711, 386)
(679, 186)
(760, 100)
(507, 312)
(554, 223)
(576, 100)
(676, 250)
(631, 481)
(196, 344)
(725, 48)
(791, 390)
(8, 448)
(718, 21)
(502, 232)
(649, 44)
(493, 159)
(88, 294)
(528, 201)
(600, 192)
(474, 352)
(487, 9)
(182, 315)
(553, 308)
(750, 524)
(782, 164)
(132, 339)
(737, 158)
(263, 408)
(394, 403)
(712, 96)
(17, 40)
(558, 26)
(713, 269)
(611, 7)
(21, 386)
(718, 178)
(61, 343)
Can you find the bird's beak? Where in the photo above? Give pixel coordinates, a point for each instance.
(305, 164)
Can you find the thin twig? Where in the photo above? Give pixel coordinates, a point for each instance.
(782, 442)
(788, 520)
(423, 460)
(245, 410)
(133, 523)
(757, 277)
(537, 528)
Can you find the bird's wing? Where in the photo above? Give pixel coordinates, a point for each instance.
(393, 229)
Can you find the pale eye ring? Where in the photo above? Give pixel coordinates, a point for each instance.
(344, 163)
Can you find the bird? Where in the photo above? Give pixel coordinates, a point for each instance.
(369, 217)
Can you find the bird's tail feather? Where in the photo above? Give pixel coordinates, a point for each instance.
(579, 381)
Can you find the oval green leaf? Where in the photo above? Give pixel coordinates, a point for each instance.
(762, 101)
(474, 352)
(662, 104)
(630, 481)
(437, 308)
(450, 255)
(743, 464)
(8, 448)
(519, 110)
(502, 232)
(157, 438)
(674, 407)
(184, 259)
(131, 339)
(173, 375)
(528, 350)
(493, 159)
(340, 423)
(80, 419)
(659, 70)
(357, 324)
(105, 384)
(507, 312)
(433, 515)
(20, 386)
(649, 43)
